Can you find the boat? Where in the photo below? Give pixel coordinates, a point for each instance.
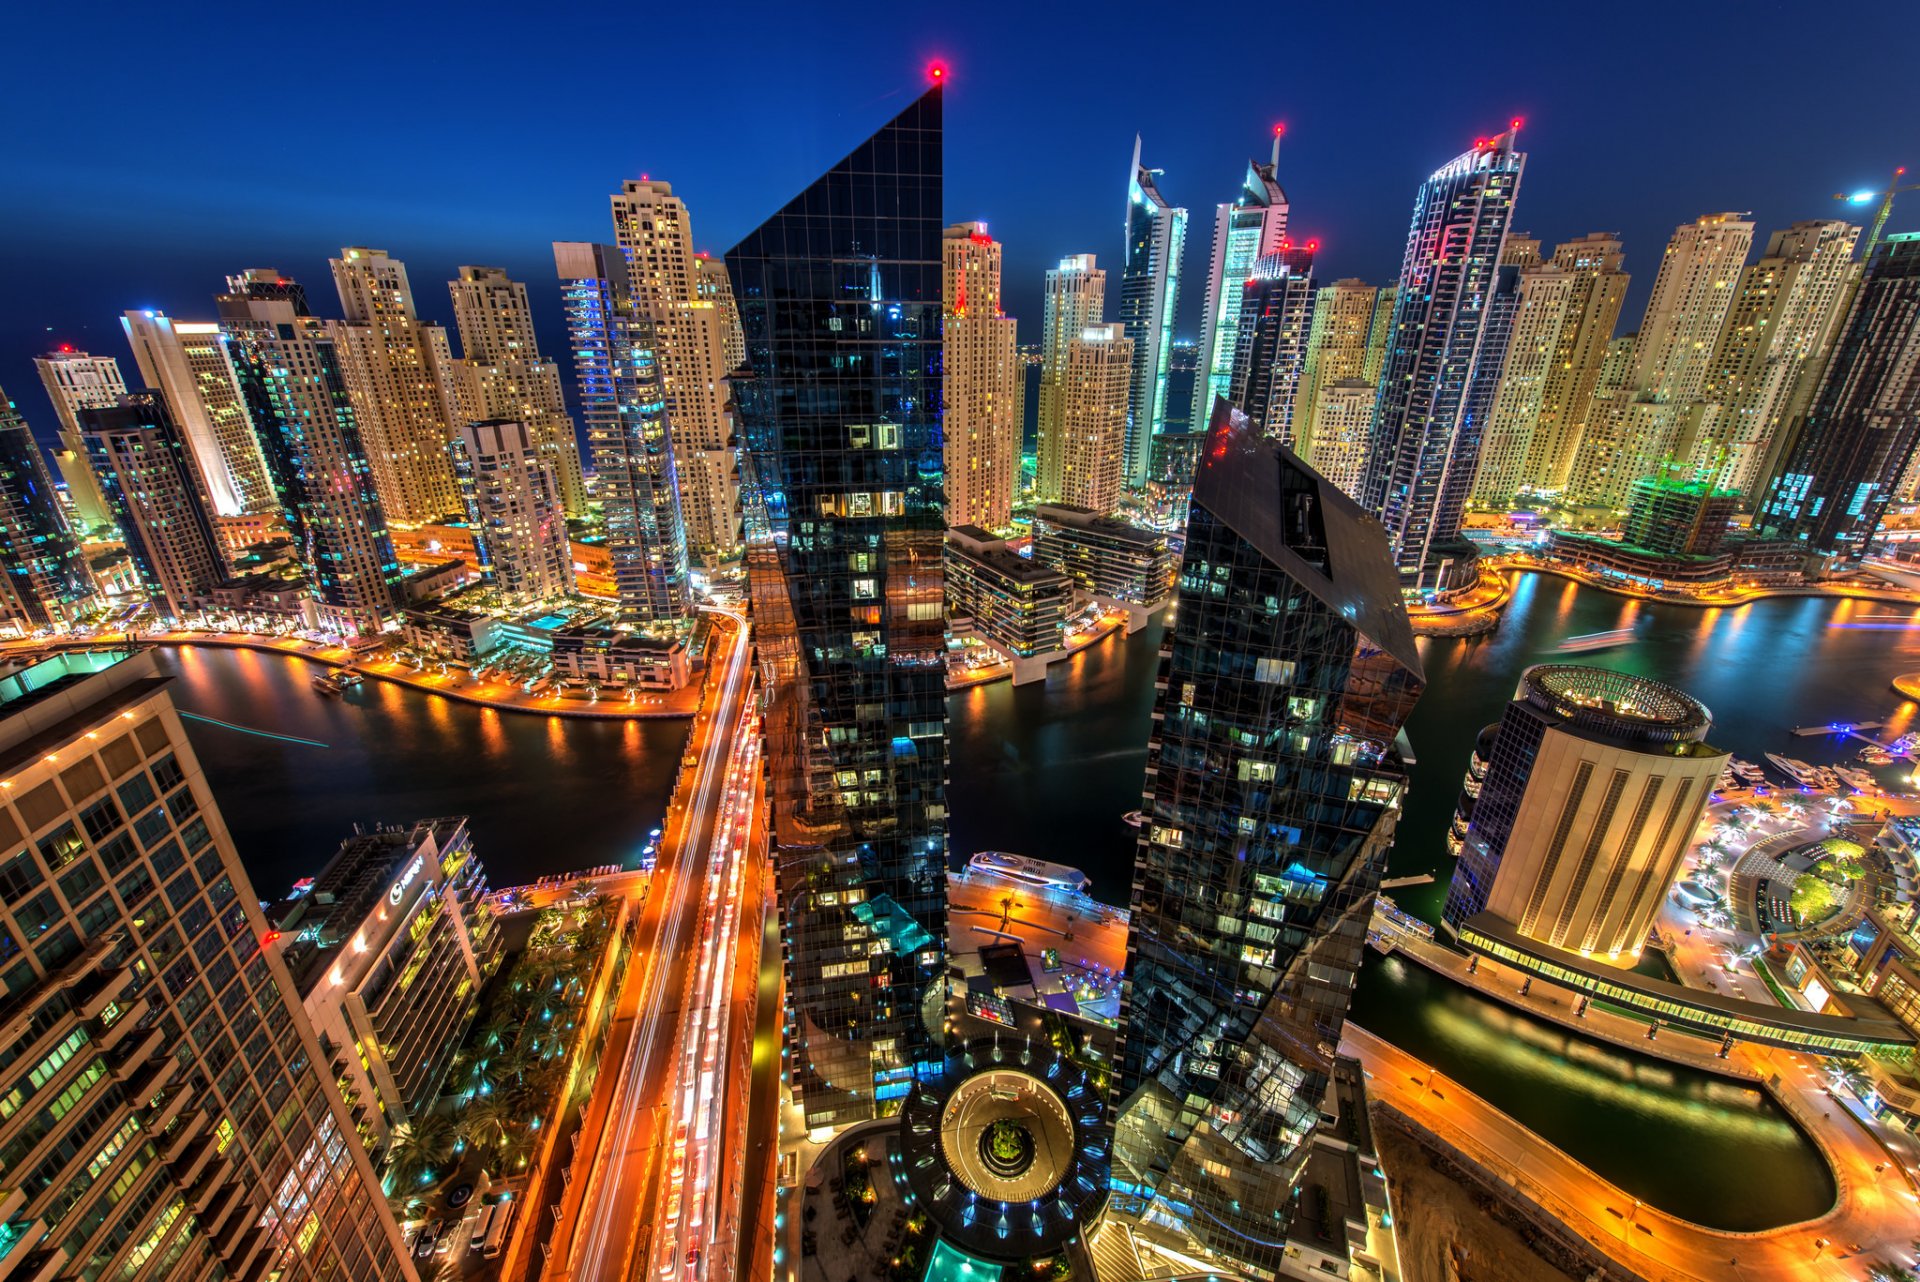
(1798, 771)
(325, 683)
(347, 678)
(1876, 757)
(1595, 641)
(1034, 872)
(1133, 818)
(1858, 780)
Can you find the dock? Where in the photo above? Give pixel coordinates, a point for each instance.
(1838, 727)
(1395, 883)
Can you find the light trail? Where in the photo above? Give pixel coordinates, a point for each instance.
(264, 734)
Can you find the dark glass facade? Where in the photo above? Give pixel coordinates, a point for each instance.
(44, 576)
(1426, 433)
(839, 296)
(1270, 351)
(1274, 781)
(1149, 302)
(154, 492)
(1865, 421)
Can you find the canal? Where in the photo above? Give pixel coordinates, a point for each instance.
(1049, 769)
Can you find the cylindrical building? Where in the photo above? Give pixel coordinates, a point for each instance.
(1592, 785)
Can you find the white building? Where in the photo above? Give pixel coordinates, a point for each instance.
(188, 364)
(982, 444)
(1075, 299)
(514, 506)
(76, 381)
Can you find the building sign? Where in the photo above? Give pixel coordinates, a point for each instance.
(399, 890)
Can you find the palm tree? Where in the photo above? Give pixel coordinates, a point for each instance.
(485, 1122)
(419, 1145)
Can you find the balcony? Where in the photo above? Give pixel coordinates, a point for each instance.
(221, 1207)
(149, 1082)
(197, 1159)
(113, 984)
(173, 1147)
(247, 1260)
(212, 1186)
(143, 1048)
(129, 1019)
(22, 1264)
(237, 1235)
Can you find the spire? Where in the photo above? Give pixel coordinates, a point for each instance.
(1279, 132)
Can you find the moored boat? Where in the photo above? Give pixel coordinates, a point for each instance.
(1035, 872)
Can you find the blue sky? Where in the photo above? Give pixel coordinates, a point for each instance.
(159, 148)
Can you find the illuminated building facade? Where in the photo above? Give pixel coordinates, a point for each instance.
(696, 347)
(389, 948)
(1092, 427)
(74, 380)
(1244, 232)
(1425, 441)
(187, 363)
(982, 454)
(141, 457)
(1274, 780)
(501, 374)
(1017, 605)
(514, 508)
(1113, 562)
(1156, 245)
(1275, 321)
(1075, 300)
(1348, 340)
(290, 372)
(1596, 287)
(1593, 783)
(1862, 427)
(44, 581)
(839, 296)
(172, 1116)
(399, 372)
(615, 360)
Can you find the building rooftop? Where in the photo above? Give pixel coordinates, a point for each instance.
(1085, 518)
(1615, 703)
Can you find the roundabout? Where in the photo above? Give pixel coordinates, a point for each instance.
(1007, 1148)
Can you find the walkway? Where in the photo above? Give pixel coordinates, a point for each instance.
(1874, 1219)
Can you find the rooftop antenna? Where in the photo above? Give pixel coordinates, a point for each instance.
(1279, 132)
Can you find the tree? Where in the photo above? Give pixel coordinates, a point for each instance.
(485, 1122)
(1812, 898)
(419, 1146)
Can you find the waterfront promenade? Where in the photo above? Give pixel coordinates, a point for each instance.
(454, 684)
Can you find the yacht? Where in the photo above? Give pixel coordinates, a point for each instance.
(1034, 872)
(326, 683)
(347, 678)
(1858, 780)
(1798, 771)
(1595, 641)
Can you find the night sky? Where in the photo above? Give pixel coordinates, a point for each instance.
(150, 150)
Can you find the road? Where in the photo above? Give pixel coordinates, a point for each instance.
(654, 1156)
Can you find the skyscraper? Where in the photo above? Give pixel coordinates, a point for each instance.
(1425, 444)
(175, 1115)
(1093, 418)
(1617, 763)
(1778, 331)
(501, 374)
(982, 447)
(43, 578)
(1244, 232)
(839, 296)
(1156, 243)
(1661, 411)
(616, 364)
(141, 457)
(514, 507)
(1347, 341)
(1597, 286)
(694, 321)
(289, 365)
(399, 371)
(1545, 294)
(1270, 356)
(1075, 300)
(75, 380)
(1274, 779)
(187, 363)
(1864, 421)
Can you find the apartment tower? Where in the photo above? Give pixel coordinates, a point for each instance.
(981, 453)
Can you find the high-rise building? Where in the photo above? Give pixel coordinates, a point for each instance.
(1343, 432)
(501, 374)
(1502, 314)
(399, 372)
(1244, 232)
(174, 1116)
(1075, 301)
(1864, 421)
(1778, 332)
(187, 363)
(1676, 518)
(290, 369)
(389, 948)
(146, 471)
(75, 380)
(696, 346)
(1596, 288)
(1426, 446)
(44, 581)
(1092, 427)
(1274, 781)
(1275, 321)
(839, 297)
(514, 508)
(1591, 786)
(1661, 411)
(1156, 244)
(1348, 340)
(1545, 294)
(616, 364)
(982, 384)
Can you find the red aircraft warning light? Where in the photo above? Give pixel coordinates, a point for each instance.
(937, 72)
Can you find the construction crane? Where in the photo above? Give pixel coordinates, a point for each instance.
(1893, 188)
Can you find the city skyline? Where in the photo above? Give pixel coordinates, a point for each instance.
(209, 203)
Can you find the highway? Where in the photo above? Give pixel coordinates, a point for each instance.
(653, 1154)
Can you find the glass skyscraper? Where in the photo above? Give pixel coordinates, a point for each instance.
(1865, 421)
(1274, 781)
(43, 577)
(1149, 300)
(1426, 439)
(616, 360)
(1274, 317)
(1244, 232)
(840, 298)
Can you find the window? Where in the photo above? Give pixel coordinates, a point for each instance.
(100, 819)
(19, 875)
(82, 881)
(136, 794)
(60, 847)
